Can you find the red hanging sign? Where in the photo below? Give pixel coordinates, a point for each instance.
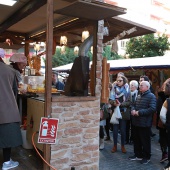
(48, 130)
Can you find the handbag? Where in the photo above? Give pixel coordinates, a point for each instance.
(116, 116)
(126, 113)
(160, 124)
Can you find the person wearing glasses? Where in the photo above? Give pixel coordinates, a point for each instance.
(119, 96)
(142, 111)
(145, 78)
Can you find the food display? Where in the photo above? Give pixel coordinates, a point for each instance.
(35, 63)
(39, 89)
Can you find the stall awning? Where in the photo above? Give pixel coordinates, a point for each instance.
(158, 62)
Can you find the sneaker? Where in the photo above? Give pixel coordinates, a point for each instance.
(167, 166)
(134, 158)
(145, 161)
(164, 158)
(11, 165)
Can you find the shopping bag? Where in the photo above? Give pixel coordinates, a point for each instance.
(116, 116)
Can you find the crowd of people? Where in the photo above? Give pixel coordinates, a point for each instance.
(138, 102)
(135, 102)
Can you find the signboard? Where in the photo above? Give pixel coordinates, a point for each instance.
(48, 130)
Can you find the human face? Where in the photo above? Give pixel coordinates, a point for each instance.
(54, 78)
(141, 79)
(132, 87)
(119, 81)
(143, 87)
(21, 66)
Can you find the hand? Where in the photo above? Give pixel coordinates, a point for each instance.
(136, 113)
(133, 112)
(117, 103)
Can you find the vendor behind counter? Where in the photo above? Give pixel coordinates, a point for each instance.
(55, 81)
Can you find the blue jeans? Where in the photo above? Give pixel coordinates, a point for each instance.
(122, 126)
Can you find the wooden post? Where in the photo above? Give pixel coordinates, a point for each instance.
(93, 71)
(27, 47)
(48, 73)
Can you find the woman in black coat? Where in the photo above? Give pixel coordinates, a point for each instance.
(163, 140)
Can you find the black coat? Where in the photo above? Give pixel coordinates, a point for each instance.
(145, 104)
(161, 98)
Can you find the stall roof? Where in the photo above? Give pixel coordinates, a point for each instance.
(27, 19)
(159, 62)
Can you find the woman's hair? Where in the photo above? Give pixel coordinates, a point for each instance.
(125, 80)
(110, 85)
(166, 87)
(134, 82)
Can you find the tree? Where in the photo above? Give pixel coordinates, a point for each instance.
(147, 46)
(109, 54)
(69, 56)
(62, 59)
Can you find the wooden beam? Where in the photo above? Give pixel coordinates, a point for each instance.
(48, 73)
(26, 10)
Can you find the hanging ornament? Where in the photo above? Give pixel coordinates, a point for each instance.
(76, 50)
(63, 40)
(85, 34)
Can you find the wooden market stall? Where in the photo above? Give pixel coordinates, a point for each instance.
(41, 20)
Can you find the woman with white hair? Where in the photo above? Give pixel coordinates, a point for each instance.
(133, 95)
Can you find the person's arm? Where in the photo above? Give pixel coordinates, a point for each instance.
(163, 112)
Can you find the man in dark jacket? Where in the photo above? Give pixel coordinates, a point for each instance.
(141, 112)
(55, 81)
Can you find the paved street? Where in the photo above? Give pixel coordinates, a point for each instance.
(119, 161)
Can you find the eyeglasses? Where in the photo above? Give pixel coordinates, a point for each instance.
(119, 81)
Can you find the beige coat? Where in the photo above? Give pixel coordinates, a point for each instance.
(8, 106)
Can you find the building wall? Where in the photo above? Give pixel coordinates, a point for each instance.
(78, 130)
(155, 14)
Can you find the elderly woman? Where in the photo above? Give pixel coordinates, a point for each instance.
(18, 62)
(133, 95)
(165, 116)
(119, 96)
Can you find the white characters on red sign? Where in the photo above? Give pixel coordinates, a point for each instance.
(44, 128)
(52, 132)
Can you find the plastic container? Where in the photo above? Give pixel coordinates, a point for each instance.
(26, 144)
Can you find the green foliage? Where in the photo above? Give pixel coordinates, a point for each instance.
(62, 59)
(109, 54)
(69, 56)
(147, 46)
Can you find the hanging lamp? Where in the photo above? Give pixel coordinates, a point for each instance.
(85, 34)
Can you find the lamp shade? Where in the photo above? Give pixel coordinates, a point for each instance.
(85, 34)
(63, 40)
(36, 47)
(76, 50)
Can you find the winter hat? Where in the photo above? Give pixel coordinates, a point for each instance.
(18, 58)
(2, 53)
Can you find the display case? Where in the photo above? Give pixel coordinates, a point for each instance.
(34, 81)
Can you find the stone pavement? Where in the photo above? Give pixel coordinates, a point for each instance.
(119, 161)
